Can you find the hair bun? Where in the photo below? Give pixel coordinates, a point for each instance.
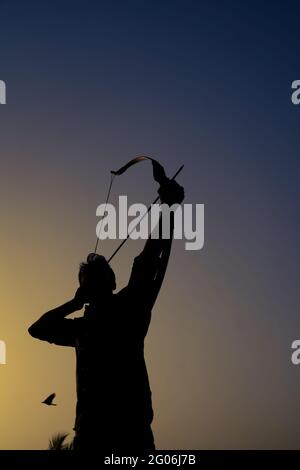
(94, 257)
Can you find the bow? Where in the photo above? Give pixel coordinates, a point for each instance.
(159, 176)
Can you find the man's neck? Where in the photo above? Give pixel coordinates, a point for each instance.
(100, 303)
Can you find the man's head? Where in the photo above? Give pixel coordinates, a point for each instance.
(96, 278)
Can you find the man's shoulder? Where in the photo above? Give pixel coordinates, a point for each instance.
(125, 296)
(78, 322)
(122, 294)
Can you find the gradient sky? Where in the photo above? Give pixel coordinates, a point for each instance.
(205, 83)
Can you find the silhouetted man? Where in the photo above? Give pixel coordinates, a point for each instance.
(114, 410)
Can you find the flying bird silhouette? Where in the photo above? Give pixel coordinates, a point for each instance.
(48, 401)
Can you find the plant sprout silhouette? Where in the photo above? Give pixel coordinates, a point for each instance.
(57, 442)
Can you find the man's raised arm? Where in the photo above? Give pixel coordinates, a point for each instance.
(149, 267)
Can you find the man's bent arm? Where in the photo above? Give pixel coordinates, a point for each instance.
(54, 327)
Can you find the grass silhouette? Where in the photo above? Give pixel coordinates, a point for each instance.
(58, 442)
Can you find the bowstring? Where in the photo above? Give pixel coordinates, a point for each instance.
(106, 202)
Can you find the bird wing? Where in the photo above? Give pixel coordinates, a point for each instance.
(49, 400)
